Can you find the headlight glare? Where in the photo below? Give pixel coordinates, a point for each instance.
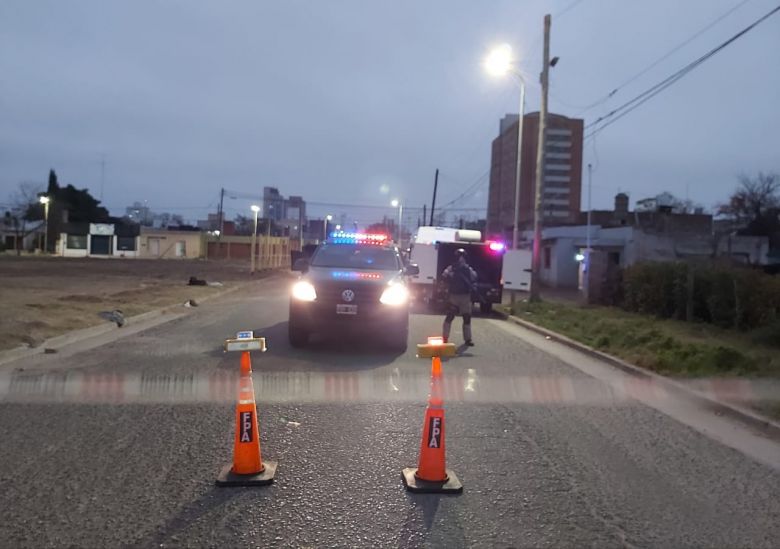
(304, 291)
(397, 294)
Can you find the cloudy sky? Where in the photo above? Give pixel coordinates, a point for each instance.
(336, 99)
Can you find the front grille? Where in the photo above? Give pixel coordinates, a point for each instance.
(364, 294)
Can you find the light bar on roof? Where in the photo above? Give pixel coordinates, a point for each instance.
(343, 237)
(351, 275)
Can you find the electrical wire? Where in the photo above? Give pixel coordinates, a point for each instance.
(480, 180)
(627, 107)
(655, 63)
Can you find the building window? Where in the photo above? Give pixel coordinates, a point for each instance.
(559, 131)
(77, 241)
(557, 178)
(556, 192)
(125, 243)
(547, 254)
(559, 145)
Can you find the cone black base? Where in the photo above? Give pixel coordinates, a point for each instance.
(414, 484)
(228, 478)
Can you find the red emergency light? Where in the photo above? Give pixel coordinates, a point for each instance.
(342, 237)
(496, 246)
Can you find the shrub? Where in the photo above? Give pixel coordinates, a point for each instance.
(729, 297)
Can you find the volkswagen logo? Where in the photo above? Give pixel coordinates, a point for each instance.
(348, 295)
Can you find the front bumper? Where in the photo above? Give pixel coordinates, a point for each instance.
(321, 316)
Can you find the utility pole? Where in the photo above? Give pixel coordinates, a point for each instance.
(300, 226)
(540, 155)
(253, 252)
(435, 187)
(267, 247)
(220, 213)
(102, 174)
(587, 252)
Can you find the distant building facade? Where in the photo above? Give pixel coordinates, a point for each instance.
(562, 172)
(651, 215)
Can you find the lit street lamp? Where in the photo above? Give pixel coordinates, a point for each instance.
(325, 227)
(255, 209)
(45, 201)
(397, 204)
(499, 63)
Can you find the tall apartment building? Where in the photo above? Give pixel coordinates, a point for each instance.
(562, 172)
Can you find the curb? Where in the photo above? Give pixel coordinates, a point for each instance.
(75, 336)
(743, 415)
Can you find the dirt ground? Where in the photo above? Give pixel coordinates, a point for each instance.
(44, 297)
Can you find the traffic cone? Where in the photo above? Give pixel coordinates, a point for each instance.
(431, 475)
(246, 364)
(248, 468)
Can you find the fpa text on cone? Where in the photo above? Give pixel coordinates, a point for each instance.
(248, 467)
(431, 475)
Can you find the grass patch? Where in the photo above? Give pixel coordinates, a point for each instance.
(668, 347)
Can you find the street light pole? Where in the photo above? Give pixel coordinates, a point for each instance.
(267, 247)
(325, 227)
(499, 63)
(397, 204)
(540, 156)
(587, 245)
(515, 228)
(255, 209)
(45, 201)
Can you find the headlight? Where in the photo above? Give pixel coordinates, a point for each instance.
(304, 291)
(397, 294)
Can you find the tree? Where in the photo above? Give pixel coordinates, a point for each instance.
(244, 225)
(25, 208)
(754, 207)
(753, 200)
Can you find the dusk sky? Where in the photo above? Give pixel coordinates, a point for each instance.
(334, 100)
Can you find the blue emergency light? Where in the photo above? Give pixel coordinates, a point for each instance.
(352, 275)
(342, 237)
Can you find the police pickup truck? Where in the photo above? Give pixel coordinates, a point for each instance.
(353, 283)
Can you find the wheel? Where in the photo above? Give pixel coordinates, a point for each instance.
(397, 337)
(486, 308)
(298, 336)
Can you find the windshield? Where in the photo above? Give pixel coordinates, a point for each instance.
(356, 257)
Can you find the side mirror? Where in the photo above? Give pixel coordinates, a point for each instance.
(301, 265)
(411, 270)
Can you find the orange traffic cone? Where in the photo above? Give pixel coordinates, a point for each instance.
(248, 468)
(246, 363)
(431, 474)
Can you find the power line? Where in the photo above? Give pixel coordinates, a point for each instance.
(566, 9)
(655, 63)
(619, 112)
(470, 189)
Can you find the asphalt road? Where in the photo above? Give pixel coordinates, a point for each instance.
(548, 471)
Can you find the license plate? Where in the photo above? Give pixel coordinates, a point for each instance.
(346, 309)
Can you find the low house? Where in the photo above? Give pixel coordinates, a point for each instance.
(28, 240)
(98, 240)
(171, 243)
(563, 248)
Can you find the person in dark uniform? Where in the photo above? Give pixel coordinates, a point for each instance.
(460, 278)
